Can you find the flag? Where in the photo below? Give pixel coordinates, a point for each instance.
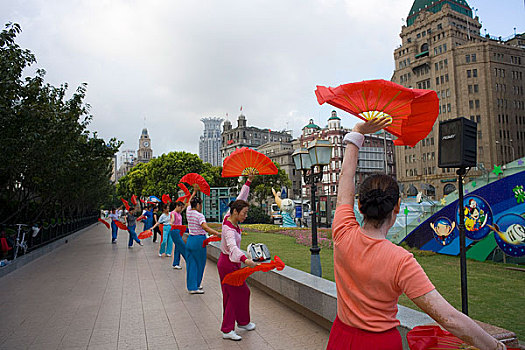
(241, 108)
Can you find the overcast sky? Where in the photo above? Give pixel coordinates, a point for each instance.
(173, 62)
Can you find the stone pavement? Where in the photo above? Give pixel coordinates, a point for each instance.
(90, 294)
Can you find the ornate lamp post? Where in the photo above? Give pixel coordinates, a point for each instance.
(318, 155)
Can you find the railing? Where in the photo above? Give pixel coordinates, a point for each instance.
(48, 233)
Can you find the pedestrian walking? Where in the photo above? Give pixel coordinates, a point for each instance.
(114, 215)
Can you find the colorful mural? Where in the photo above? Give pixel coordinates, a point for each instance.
(494, 217)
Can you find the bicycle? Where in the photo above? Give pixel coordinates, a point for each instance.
(20, 244)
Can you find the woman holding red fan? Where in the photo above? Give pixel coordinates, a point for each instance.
(195, 252)
(235, 300)
(131, 223)
(371, 272)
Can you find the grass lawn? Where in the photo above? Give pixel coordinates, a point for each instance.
(495, 293)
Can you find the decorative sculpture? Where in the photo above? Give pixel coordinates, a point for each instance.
(287, 208)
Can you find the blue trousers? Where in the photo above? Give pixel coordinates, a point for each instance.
(180, 247)
(166, 246)
(114, 230)
(195, 261)
(132, 235)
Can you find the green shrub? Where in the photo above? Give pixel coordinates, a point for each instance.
(257, 215)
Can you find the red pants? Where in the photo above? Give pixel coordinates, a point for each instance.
(343, 337)
(235, 300)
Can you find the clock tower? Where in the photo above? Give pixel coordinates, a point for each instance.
(144, 153)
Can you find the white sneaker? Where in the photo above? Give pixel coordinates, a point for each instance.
(198, 291)
(248, 327)
(177, 267)
(130, 247)
(160, 255)
(232, 335)
(168, 254)
(200, 287)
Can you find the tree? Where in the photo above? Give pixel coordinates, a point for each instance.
(50, 164)
(262, 185)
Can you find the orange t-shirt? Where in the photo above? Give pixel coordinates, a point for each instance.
(371, 274)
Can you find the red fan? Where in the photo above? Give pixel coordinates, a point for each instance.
(246, 161)
(433, 337)
(125, 203)
(166, 198)
(184, 188)
(211, 239)
(4, 246)
(120, 225)
(134, 200)
(237, 278)
(140, 218)
(181, 228)
(104, 222)
(143, 201)
(413, 111)
(145, 234)
(195, 179)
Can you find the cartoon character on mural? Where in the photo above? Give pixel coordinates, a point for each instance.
(478, 215)
(443, 229)
(509, 232)
(475, 218)
(287, 208)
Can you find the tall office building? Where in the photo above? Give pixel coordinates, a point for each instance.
(479, 77)
(210, 141)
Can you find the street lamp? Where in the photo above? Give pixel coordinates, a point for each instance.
(318, 154)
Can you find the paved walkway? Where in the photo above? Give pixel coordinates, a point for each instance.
(90, 294)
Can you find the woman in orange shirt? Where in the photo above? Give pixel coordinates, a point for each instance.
(371, 272)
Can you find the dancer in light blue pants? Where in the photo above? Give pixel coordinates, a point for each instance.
(166, 247)
(180, 247)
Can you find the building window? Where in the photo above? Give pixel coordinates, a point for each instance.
(476, 88)
(477, 104)
(475, 73)
(469, 73)
(467, 58)
(473, 57)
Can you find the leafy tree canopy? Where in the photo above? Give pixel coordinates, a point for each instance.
(50, 164)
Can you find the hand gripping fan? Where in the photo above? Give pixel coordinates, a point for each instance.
(140, 218)
(120, 225)
(196, 179)
(166, 198)
(433, 337)
(126, 204)
(187, 193)
(145, 234)
(246, 161)
(211, 239)
(104, 222)
(237, 278)
(413, 111)
(134, 200)
(181, 228)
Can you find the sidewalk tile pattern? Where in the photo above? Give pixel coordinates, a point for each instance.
(91, 294)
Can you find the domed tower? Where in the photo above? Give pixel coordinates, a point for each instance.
(311, 128)
(334, 122)
(144, 153)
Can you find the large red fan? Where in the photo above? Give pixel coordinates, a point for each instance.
(104, 222)
(166, 198)
(134, 200)
(140, 218)
(181, 228)
(433, 337)
(211, 239)
(196, 179)
(246, 161)
(145, 234)
(125, 203)
(120, 225)
(237, 278)
(413, 111)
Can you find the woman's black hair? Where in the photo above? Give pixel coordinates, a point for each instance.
(195, 201)
(378, 195)
(179, 204)
(238, 205)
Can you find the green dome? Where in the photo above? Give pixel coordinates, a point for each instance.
(434, 6)
(334, 116)
(311, 125)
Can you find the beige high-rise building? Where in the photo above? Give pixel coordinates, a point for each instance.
(479, 77)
